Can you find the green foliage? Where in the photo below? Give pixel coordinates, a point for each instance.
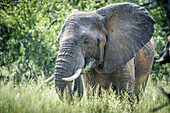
(37, 97)
(29, 48)
(29, 30)
(25, 39)
(87, 68)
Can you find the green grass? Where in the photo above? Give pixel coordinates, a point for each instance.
(37, 97)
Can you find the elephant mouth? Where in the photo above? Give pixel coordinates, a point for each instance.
(88, 64)
(89, 59)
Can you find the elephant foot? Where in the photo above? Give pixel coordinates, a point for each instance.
(127, 87)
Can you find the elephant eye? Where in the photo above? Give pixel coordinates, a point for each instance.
(86, 41)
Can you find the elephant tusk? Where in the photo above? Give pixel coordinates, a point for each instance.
(77, 73)
(160, 60)
(50, 79)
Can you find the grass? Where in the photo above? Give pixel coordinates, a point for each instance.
(37, 97)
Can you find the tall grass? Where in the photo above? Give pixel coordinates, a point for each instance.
(37, 97)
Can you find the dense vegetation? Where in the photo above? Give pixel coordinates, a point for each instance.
(29, 47)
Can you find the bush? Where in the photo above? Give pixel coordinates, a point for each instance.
(29, 30)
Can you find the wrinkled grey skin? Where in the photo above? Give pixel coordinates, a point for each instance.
(116, 38)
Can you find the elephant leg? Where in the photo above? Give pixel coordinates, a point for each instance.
(91, 82)
(126, 78)
(143, 65)
(78, 86)
(145, 82)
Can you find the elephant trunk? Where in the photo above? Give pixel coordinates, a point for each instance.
(69, 63)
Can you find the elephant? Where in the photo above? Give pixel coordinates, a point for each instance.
(116, 40)
(165, 55)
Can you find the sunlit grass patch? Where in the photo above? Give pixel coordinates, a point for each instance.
(37, 97)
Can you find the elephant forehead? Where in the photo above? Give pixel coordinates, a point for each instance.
(76, 34)
(85, 18)
(81, 23)
(81, 15)
(89, 29)
(81, 28)
(92, 31)
(76, 26)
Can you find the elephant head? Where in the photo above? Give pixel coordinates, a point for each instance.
(109, 36)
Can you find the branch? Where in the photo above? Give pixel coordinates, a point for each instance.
(145, 4)
(160, 107)
(165, 93)
(152, 7)
(54, 23)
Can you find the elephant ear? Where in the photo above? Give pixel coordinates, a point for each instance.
(129, 27)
